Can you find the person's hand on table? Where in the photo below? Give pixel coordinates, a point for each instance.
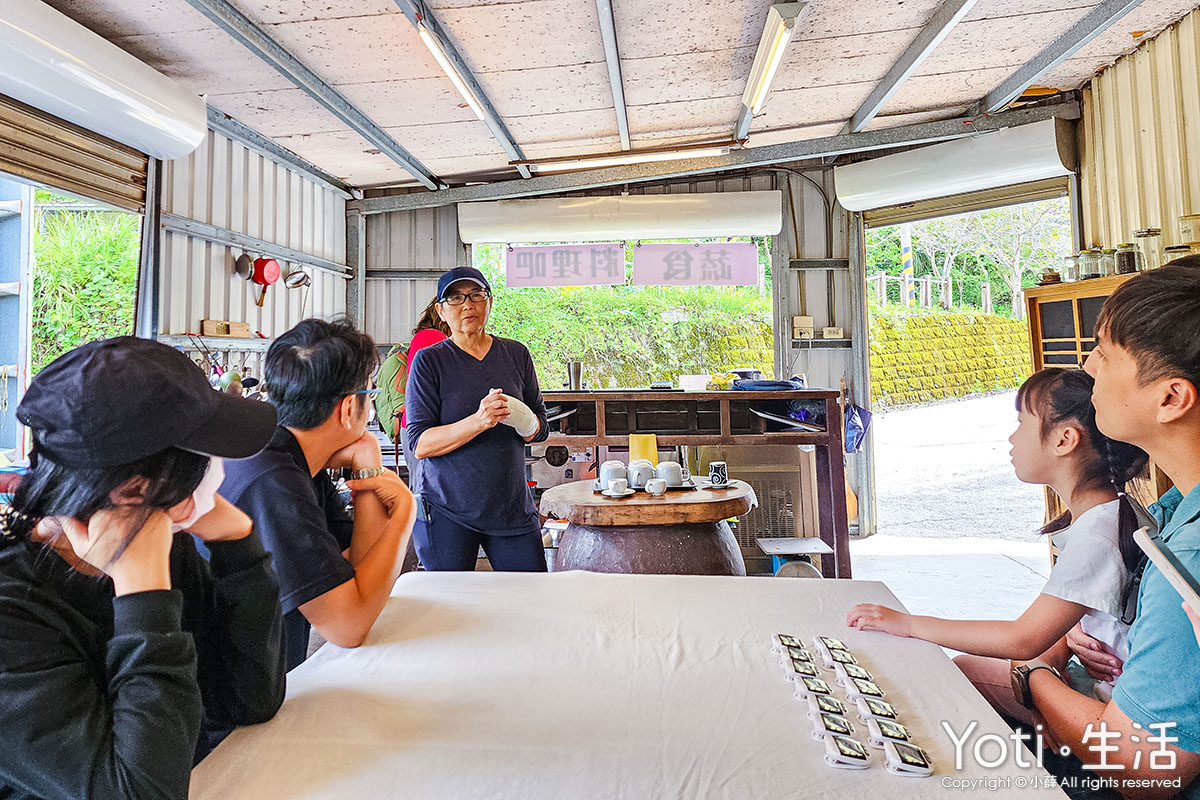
(1096, 658)
(493, 409)
(390, 490)
(1195, 618)
(871, 617)
(362, 453)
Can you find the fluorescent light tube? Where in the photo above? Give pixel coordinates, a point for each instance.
(777, 34)
(435, 47)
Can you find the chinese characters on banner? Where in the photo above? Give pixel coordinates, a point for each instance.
(684, 264)
(565, 265)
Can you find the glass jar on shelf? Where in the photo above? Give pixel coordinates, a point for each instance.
(1089, 265)
(1129, 258)
(1108, 263)
(1070, 268)
(1176, 251)
(1150, 242)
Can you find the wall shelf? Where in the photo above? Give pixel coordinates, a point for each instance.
(820, 344)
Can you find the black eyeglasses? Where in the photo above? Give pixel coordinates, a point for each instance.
(459, 299)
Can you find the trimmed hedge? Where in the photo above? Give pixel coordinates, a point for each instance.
(927, 357)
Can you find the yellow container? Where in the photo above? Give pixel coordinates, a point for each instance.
(643, 445)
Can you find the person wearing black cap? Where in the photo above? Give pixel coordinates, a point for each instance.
(120, 647)
(335, 574)
(472, 404)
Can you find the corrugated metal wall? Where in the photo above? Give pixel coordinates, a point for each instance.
(426, 239)
(1140, 149)
(228, 185)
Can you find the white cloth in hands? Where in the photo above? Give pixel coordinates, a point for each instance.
(520, 417)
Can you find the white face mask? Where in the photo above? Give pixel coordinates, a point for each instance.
(205, 496)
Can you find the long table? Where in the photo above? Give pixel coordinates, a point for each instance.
(582, 685)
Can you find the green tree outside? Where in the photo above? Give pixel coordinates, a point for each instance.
(85, 265)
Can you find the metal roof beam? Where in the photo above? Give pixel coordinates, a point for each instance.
(416, 12)
(226, 125)
(612, 55)
(1089, 27)
(259, 42)
(739, 159)
(948, 14)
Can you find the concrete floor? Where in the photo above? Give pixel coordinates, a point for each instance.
(966, 578)
(957, 531)
(943, 471)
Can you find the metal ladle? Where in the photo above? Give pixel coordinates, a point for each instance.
(298, 279)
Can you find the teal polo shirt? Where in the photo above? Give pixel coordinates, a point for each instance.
(1161, 680)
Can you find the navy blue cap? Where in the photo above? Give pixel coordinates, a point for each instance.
(120, 400)
(460, 274)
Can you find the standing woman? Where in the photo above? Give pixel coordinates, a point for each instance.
(473, 404)
(120, 647)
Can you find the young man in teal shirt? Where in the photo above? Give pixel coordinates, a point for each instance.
(1147, 370)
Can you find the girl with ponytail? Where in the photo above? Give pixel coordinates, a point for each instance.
(1057, 444)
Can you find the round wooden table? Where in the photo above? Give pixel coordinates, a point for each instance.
(678, 533)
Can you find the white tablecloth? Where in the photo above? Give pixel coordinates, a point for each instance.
(577, 685)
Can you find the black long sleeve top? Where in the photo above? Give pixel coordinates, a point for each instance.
(105, 697)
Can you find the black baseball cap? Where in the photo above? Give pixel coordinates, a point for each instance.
(460, 274)
(120, 400)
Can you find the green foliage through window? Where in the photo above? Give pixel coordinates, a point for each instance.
(84, 275)
(632, 335)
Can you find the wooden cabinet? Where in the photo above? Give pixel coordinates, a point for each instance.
(1062, 320)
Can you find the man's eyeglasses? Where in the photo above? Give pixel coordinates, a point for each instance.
(459, 299)
(367, 392)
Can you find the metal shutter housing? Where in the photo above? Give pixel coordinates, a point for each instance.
(43, 149)
(966, 203)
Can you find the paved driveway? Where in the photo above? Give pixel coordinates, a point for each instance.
(943, 471)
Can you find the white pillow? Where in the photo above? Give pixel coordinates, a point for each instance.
(520, 417)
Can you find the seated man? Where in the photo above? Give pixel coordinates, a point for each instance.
(1147, 370)
(334, 574)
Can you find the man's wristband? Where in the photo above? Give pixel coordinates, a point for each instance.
(364, 474)
(1020, 680)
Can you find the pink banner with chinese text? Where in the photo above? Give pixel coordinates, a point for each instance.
(694, 264)
(601, 264)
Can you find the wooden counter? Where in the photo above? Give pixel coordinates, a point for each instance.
(690, 419)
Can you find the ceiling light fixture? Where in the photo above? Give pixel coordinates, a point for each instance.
(777, 33)
(701, 150)
(435, 47)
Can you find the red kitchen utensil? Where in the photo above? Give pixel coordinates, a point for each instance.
(266, 271)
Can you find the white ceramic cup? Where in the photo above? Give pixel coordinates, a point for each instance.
(618, 486)
(656, 486)
(640, 471)
(671, 472)
(610, 470)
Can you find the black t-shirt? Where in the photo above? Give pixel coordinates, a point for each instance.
(302, 523)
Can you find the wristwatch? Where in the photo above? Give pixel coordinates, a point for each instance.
(1020, 679)
(363, 474)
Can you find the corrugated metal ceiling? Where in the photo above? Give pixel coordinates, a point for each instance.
(541, 63)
